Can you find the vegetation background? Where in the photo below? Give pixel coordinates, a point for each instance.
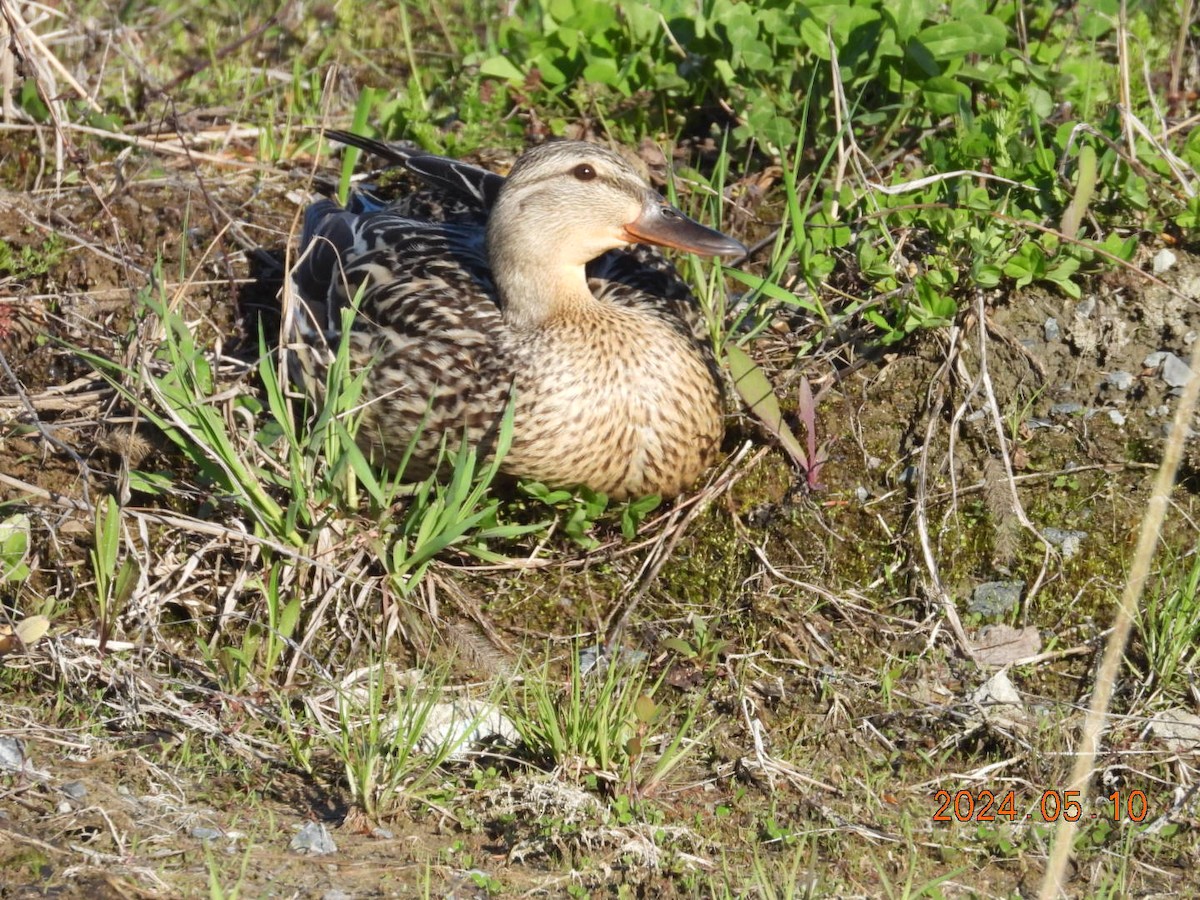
(235, 660)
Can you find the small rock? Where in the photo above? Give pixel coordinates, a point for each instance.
(1154, 360)
(1175, 372)
(75, 790)
(1169, 427)
(1039, 422)
(384, 834)
(1066, 409)
(1122, 381)
(861, 494)
(314, 840)
(1051, 331)
(999, 703)
(1116, 417)
(1179, 728)
(12, 754)
(909, 475)
(995, 598)
(999, 645)
(1086, 307)
(595, 659)
(205, 833)
(1163, 260)
(874, 462)
(335, 894)
(1067, 541)
(462, 726)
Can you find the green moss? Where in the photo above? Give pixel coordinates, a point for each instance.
(22, 262)
(714, 566)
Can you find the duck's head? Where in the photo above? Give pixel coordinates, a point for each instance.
(565, 203)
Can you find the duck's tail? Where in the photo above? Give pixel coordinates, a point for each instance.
(468, 184)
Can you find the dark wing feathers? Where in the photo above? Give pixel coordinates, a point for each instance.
(466, 183)
(397, 154)
(397, 257)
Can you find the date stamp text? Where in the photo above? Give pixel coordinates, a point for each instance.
(988, 806)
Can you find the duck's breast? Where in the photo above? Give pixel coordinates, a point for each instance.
(625, 404)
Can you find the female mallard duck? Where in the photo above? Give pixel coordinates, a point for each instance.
(612, 381)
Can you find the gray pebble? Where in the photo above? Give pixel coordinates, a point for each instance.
(1116, 417)
(1051, 331)
(1168, 427)
(861, 494)
(1163, 260)
(76, 790)
(1154, 360)
(1122, 381)
(205, 833)
(1066, 409)
(314, 840)
(1175, 371)
(12, 754)
(1086, 307)
(995, 598)
(1067, 541)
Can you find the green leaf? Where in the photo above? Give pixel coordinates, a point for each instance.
(501, 67)
(945, 95)
(754, 388)
(290, 617)
(154, 483)
(680, 646)
(645, 709)
(772, 290)
(971, 35)
(14, 547)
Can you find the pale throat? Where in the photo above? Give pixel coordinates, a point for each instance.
(536, 292)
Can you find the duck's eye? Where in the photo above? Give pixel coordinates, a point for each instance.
(584, 172)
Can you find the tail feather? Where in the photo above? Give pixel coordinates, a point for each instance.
(469, 184)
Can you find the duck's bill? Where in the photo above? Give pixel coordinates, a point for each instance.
(666, 226)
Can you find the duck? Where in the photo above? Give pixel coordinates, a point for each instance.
(544, 290)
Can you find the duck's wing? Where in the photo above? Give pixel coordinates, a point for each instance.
(415, 277)
(465, 183)
(427, 327)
